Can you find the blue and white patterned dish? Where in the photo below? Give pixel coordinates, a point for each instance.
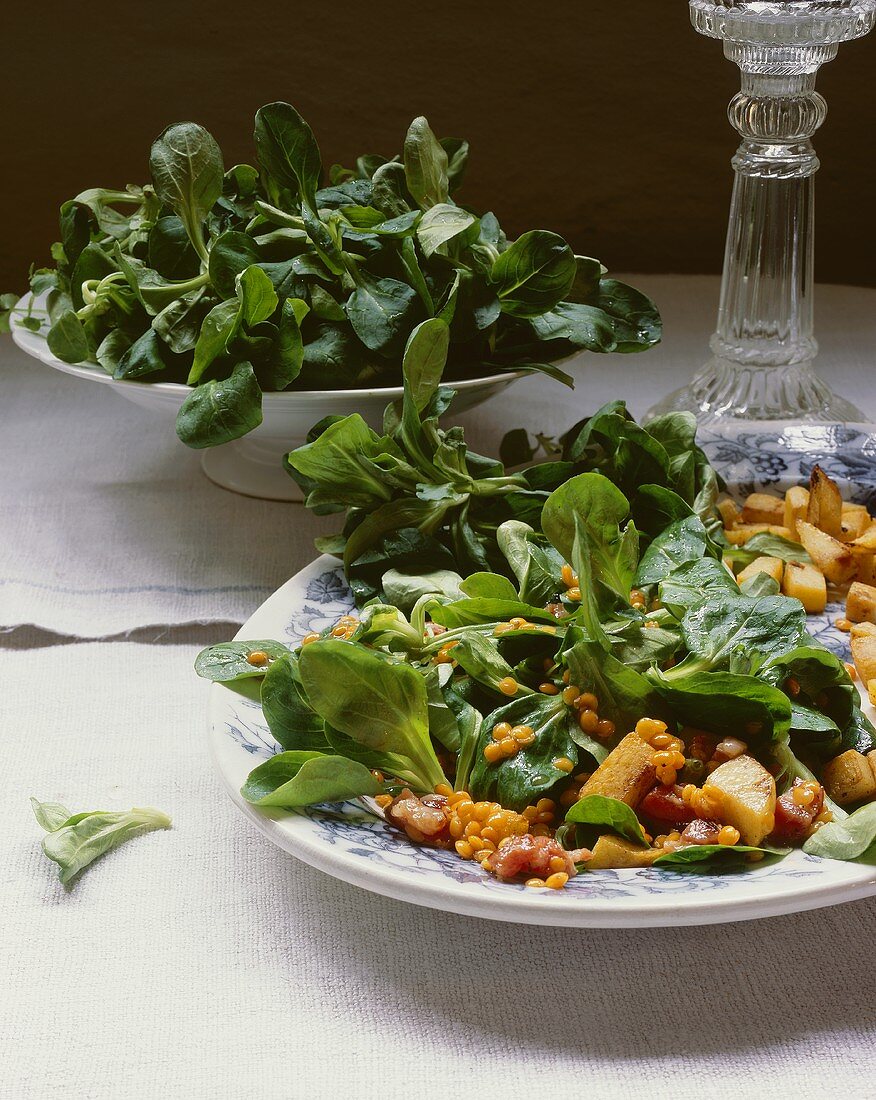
(753, 457)
(352, 844)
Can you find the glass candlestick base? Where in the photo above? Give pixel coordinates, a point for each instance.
(764, 346)
(724, 390)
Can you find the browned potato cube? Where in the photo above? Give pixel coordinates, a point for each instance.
(861, 603)
(832, 557)
(796, 507)
(744, 795)
(773, 567)
(849, 777)
(864, 653)
(825, 503)
(612, 851)
(867, 540)
(763, 508)
(806, 584)
(865, 563)
(854, 525)
(871, 695)
(627, 773)
(740, 534)
(729, 511)
(856, 520)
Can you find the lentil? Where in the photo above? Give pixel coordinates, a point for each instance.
(508, 686)
(557, 880)
(258, 658)
(728, 836)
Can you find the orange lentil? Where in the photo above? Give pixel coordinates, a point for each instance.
(649, 729)
(728, 836)
(522, 733)
(588, 720)
(493, 752)
(843, 624)
(573, 593)
(508, 686)
(556, 881)
(308, 638)
(548, 689)
(257, 658)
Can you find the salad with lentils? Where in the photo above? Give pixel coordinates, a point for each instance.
(557, 670)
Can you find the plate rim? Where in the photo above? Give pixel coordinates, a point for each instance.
(535, 908)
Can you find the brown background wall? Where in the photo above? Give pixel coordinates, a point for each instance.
(603, 120)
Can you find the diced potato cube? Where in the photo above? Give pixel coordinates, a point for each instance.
(832, 557)
(744, 794)
(871, 695)
(613, 851)
(864, 654)
(854, 525)
(825, 503)
(806, 584)
(849, 777)
(867, 540)
(796, 507)
(763, 508)
(773, 567)
(729, 511)
(863, 630)
(865, 564)
(861, 603)
(627, 773)
(739, 535)
(850, 507)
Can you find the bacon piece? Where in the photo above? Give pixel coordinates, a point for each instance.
(665, 804)
(532, 855)
(793, 822)
(700, 831)
(425, 819)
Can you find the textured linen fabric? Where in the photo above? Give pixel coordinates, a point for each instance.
(107, 523)
(202, 962)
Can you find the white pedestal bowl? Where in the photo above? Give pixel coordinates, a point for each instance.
(253, 465)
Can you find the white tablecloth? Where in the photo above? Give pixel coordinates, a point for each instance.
(202, 962)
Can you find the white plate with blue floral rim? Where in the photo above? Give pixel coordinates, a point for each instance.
(349, 842)
(766, 456)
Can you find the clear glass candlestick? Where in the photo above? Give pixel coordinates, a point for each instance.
(764, 345)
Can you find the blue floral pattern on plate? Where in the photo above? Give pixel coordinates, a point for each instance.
(753, 457)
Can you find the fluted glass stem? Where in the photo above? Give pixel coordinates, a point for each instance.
(764, 345)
